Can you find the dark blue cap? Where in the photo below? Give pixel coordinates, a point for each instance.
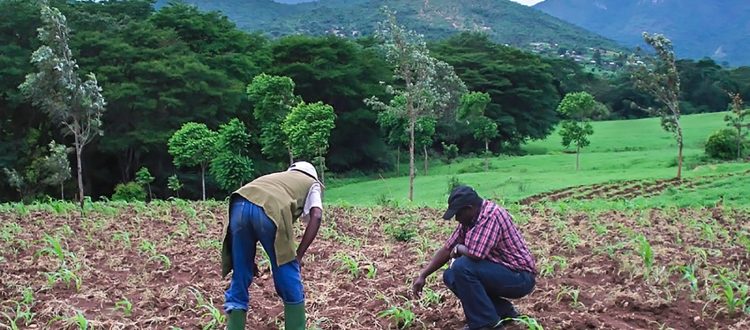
(460, 197)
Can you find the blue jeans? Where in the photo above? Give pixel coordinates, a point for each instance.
(250, 224)
(483, 286)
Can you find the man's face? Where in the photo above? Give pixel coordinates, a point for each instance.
(466, 215)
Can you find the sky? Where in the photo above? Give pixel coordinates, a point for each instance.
(528, 2)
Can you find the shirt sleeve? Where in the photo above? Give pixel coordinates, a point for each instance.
(482, 237)
(457, 237)
(314, 199)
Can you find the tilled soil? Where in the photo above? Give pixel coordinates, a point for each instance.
(163, 258)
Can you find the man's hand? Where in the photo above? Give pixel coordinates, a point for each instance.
(416, 287)
(456, 251)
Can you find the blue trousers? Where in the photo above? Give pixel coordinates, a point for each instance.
(249, 225)
(483, 286)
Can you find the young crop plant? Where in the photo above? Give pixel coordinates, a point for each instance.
(348, 263)
(529, 322)
(688, 274)
(165, 262)
(430, 297)
(572, 240)
(216, 316)
(124, 237)
(125, 306)
(403, 317)
(572, 294)
(78, 320)
(734, 295)
(647, 254)
(555, 262)
(371, 271)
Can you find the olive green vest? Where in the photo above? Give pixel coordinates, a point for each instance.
(282, 196)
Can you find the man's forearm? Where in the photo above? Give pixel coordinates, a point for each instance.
(438, 260)
(309, 236)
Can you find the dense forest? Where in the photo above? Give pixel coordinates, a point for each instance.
(161, 69)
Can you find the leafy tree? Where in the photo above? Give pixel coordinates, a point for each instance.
(522, 86)
(194, 144)
(174, 184)
(74, 104)
(272, 98)
(232, 167)
(57, 167)
(429, 86)
(129, 192)
(577, 108)
(722, 144)
(309, 127)
(660, 79)
(736, 120)
(395, 129)
(144, 178)
(424, 131)
(472, 110)
(340, 72)
(450, 151)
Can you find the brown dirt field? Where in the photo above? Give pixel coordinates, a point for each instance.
(116, 253)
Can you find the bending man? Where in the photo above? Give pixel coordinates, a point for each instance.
(264, 211)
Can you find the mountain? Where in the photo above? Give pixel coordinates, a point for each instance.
(716, 28)
(505, 21)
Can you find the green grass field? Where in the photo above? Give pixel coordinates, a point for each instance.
(619, 150)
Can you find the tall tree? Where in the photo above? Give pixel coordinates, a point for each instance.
(232, 167)
(472, 110)
(194, 144)
(272, 98)
(75, 104)
(426, 84)
(577, 108)
(309, 127)
(659, 78)
(736, 120)
(424, 133)
(144, 178)
(396, 132)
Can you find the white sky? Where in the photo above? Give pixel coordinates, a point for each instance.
(528, 2)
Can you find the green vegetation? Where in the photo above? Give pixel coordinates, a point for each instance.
(619, 150)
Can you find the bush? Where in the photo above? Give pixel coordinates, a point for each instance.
(403, 231)
(450, 151)
(129, 192)
(723, 144)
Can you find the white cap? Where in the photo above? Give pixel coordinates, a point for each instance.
(306, 168)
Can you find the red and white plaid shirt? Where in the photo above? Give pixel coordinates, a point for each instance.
(494, 237)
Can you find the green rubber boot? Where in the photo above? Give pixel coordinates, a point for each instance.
(236, 320)
(294, 317)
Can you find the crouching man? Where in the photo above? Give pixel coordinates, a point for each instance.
(492, 263)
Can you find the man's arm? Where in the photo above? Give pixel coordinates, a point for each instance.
(310, 232)
(438, 260)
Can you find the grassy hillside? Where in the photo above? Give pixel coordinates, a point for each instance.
(619, 150)
(505, 21)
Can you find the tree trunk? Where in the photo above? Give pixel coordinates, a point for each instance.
(679, 157)
(203, 180)
(426, 162)
(739, 143)
(62, 191)
(578, 156)
(412, 121)
(150, 195)
(398, 160)
(79, 152)
(291, 156)
(486, 155)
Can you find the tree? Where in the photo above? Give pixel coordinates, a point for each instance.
(736, 120)
(57, 167)
(75, 104)
(272, 98)
(193, 144)
(472, 110)
(424, 131)
(660, 79)
(144, 178)
(309, 127)
(174, 184)
(577, 108)
(396, 132)
(427, 85)
(232, 167)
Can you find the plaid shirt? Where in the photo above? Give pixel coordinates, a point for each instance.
(494, 237)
